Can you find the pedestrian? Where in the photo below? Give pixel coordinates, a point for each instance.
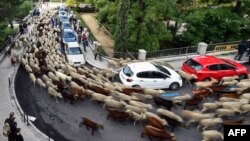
(81, 28)
(84, 41)
(21, 28)
(12, 125)
(25, 27)
(52, 21)
(241, 50)
(19, 136)
(79, 35)
(97, 52)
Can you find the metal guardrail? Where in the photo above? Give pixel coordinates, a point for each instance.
(225, 46)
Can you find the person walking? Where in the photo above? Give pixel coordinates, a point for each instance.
(97, 52)
(21, 28)
(25, 27)
(84, 41)
(241, 50)
(19, 136)
(12, 125)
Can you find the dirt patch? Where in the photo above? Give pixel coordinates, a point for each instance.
(99, 33)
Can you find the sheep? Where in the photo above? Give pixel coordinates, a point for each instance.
(111, 103)
(63, 76)
(210, 106)
(212, 135)
(228, 79)
(40, 83)
(163, 121)
(71, 69)
(228, 99)
(225, 112)
(140, 104)
(76, 75)
(187, 77)
(229, 83)
(54, 93)
(124, 96)
(245, 80)
(136, 116)
(52, 76)
(169, 114)
(112, 63)
(28, 68)
(180, 99)
(245, 108)
(235, 106)
(194, 116)
(152, 92)
(205, 123)
(99, 97)
(135, 109)
(246, 96)
(33, 78)
(243, 84)
(45, 78)
(205, 84)
(142, 97)
(50, 84)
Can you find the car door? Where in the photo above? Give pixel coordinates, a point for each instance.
(226, 70)
(144, 79)
(212, 72)
(159, 80)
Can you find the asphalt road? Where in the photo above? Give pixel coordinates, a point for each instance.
(61, 120)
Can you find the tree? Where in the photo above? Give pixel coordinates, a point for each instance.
(122, 33)
(71, 3)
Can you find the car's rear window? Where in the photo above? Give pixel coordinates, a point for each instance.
(193, 64)
(68, 35)
(74, 51)
(162, 69)
(127, 71)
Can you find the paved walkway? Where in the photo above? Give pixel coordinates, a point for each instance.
(100, 35)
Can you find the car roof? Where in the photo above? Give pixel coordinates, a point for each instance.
(142, 66)
(68, 30)
(72, 44)
(208, 60)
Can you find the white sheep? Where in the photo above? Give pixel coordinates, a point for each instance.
(40, 83)
(169, 114)
(205, 84)
(45, 78)
(112, 63)
(63, 76)
(181, 99)
(70, 68)
(123, 96)
(228, 99)
(111, 103)
(76, 75)
(245, 80)
(235, 106)
(99, 97)
(142, 97)
(245, 108)
(136, 116)
(28, 68)
(163, 121)
(32, 77)
(152, 92)
(187, 77)
(54, 93)
(246, 96)
(205, 123)
(229, 83)
(228, 78)
(82, 71)
(140, 104)
(243, 84)
(194, 116)
(212, 135)
(135, 109)
(50, 84)
(225, 112)
(210, 106)
(52, 76)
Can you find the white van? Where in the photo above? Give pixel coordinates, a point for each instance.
(74, 54)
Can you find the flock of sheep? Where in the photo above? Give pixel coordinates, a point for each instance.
(48, 69)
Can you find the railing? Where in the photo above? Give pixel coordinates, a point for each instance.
(172, 52)
(225, 46)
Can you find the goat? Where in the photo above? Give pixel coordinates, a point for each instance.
(151, 131)
(91, 124)
(122, 116)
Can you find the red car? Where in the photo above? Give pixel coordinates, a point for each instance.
(206, 67)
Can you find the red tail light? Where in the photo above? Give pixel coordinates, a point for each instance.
(129, 80)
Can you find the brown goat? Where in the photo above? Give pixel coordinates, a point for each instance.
(13, 61)
(79, 92)
(90, 124)
(151, 131)
(99, 90)
(230, 95)
(129, 91)
(234, 122)
(156, 123)
(194, 102)
(122, 116)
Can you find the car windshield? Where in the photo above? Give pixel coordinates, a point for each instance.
(62, 13)
(63, 17)
(74, 51)
(162, 69)
(193, 64)
(66, 25)
(229, 63)
(127, 71)
(68, 35)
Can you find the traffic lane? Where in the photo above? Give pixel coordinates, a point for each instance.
(61, 120)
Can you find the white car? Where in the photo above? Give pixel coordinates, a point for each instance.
(147, 75)
(74, 54)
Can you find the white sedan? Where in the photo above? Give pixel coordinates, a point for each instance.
(147, 75)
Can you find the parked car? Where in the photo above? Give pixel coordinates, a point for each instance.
(62, 13)
(207, 67)
(66, 25)
(62, 8)
(74, 54)
(63, 18)
(148, 75)
(68, 35)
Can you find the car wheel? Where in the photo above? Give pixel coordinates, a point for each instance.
(136, 86)
(174, 86)
(242, 76)
(206, 79)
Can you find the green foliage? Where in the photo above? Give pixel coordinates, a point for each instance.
(71, 3)
(5, 33)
